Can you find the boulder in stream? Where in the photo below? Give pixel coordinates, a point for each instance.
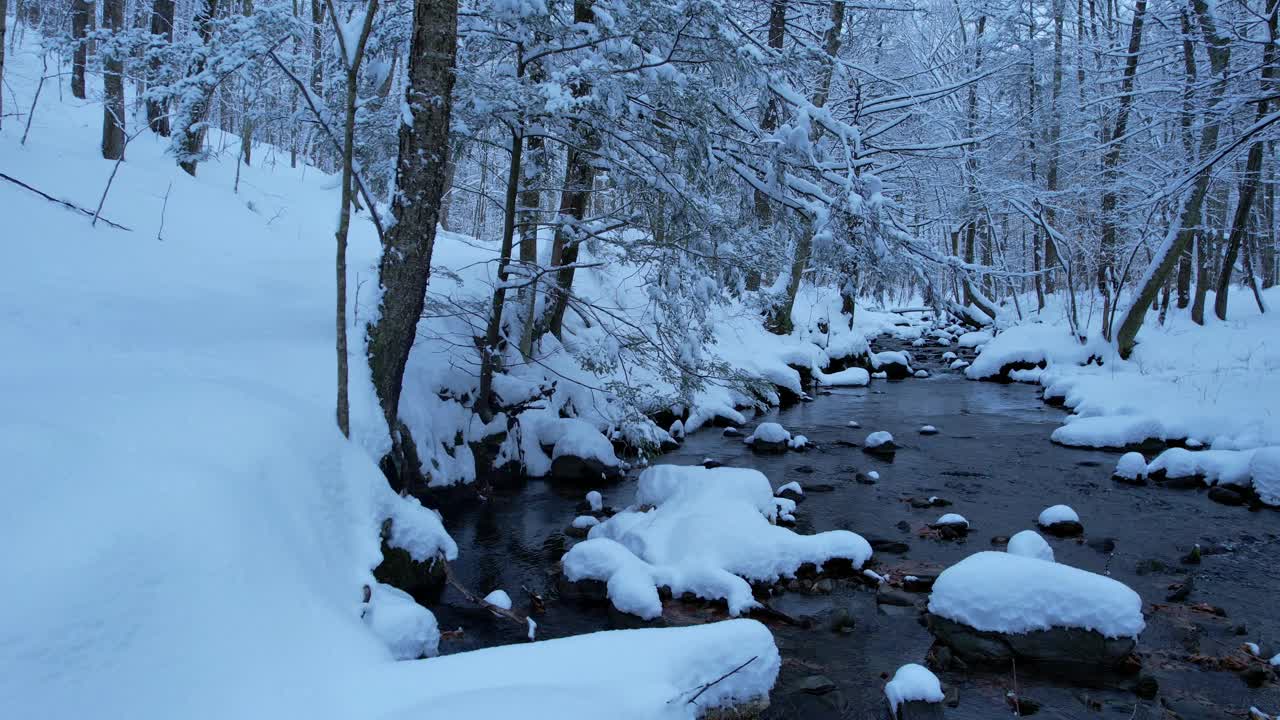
(1060, 521)
(914, 693)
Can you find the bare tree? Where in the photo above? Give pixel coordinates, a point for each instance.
(82, 13)
(161, 27)
(194, 122)
(407, 245)
(113, 117)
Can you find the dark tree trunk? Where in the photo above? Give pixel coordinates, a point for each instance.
(579, 179)
(415, 207)
(193, 131)
(768, 123)
(161, 27)
(4, 26)
(81, 19)
(113, 85)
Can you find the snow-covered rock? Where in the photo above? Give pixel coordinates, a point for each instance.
(1131, 469)
(499, 598)
(769, 437)
(993, 606)
(958, 364)
(798, 442)
(1028, 543)
(951, 519)
(409, 630)
(948, 356)
(595, 501)
(1060, 520)
(792, 487)
(893, 363)
(707, 532)
(913, 684)
(880, 443)
(850, 377)
(582, 453)
(928, 430)
(585, 522)
(1109, 432)
(921, 374)
(853, 424)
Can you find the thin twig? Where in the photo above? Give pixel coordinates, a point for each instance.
(709, 685)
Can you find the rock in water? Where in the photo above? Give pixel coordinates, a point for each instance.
(914, 693)
(1131, 470)
(1060, 521)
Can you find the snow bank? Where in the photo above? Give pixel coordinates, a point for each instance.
(1182, 381)
(1265, 469)
(408, 629)
(707, 532)
(1028, 543)
(1006, 593)
(910, 683)
(1216, 467)
(646, 674)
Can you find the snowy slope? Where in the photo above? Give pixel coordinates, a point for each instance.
(185, 532)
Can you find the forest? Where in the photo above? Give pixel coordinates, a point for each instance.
(650, 358)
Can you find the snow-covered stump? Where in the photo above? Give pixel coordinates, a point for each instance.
(914, 693)
(700, 533)
(880, 444)
(1060, 521)
(993, 607)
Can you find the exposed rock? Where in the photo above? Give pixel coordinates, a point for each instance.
(820, 488)
(732, 432)
(1146, 686)
(920, 710)
(1182, 590)
(886, 595)
(709, 463)
(919, 582)
(1064, 528)
(570, 468)
(890, 547)
(863, 479)
(1058, 645)
(1226, 495)
(816, 685)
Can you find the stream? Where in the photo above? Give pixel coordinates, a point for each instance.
(993, 461)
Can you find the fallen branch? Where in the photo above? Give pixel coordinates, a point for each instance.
(496, 610)
(64, 203)
(720, 679)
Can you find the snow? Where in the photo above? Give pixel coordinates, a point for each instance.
(1007, 593)
(708, 532)
(911, 683)
(1275, 661)
(889, 357)
(799, 442)
(193, 534)
(974, 339)
(582, 522)
(1265, 469)
(1028, 543)
(853, 424)
(928, 429)
(952, 519)
(793, 486)
(921, 374)
(959, 364)
(1132, 466)
(851, 377)
(580, 439)
(1182, 381)
(1217, 467)
(770, 432)
(499, 598)
(878, 438)
(408, 629)
(948, 356)
(874, 475)
(1057, 514)
(595, 501)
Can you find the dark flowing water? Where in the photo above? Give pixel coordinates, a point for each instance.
(992, 459)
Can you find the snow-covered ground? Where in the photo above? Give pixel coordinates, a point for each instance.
(185, 531)
(1205, 383)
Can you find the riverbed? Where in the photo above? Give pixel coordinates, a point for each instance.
(992, 460)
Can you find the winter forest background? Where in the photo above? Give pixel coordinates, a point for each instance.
(568, 235)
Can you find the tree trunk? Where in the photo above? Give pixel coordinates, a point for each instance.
(161, 27)
(1219, 50)
(490, 353)
(768, 123)
(579, 179)
(4, 26)
(781, 320)
(1252, 173)
(534, 169)
(81, 14)
(191, 140)
(415, 208)
(1110, 169)
(1055, 136)
(113, 117)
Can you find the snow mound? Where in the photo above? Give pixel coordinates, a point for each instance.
(580, 439)
(582, 522)
(948, 356)
(793, 486)
(1006, 593)
(1057, 514)
(595, 501)
(1028, 543)
(878, 438)
(1216, 467)
(708, 532)
(851, 377)
(798, 442)
(1108, 431)
(770, 432)
(408, 629)
(958, 364)
(1132, 466)
(974, 339)
(887, 358)
(499, 598)
(910, 683)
